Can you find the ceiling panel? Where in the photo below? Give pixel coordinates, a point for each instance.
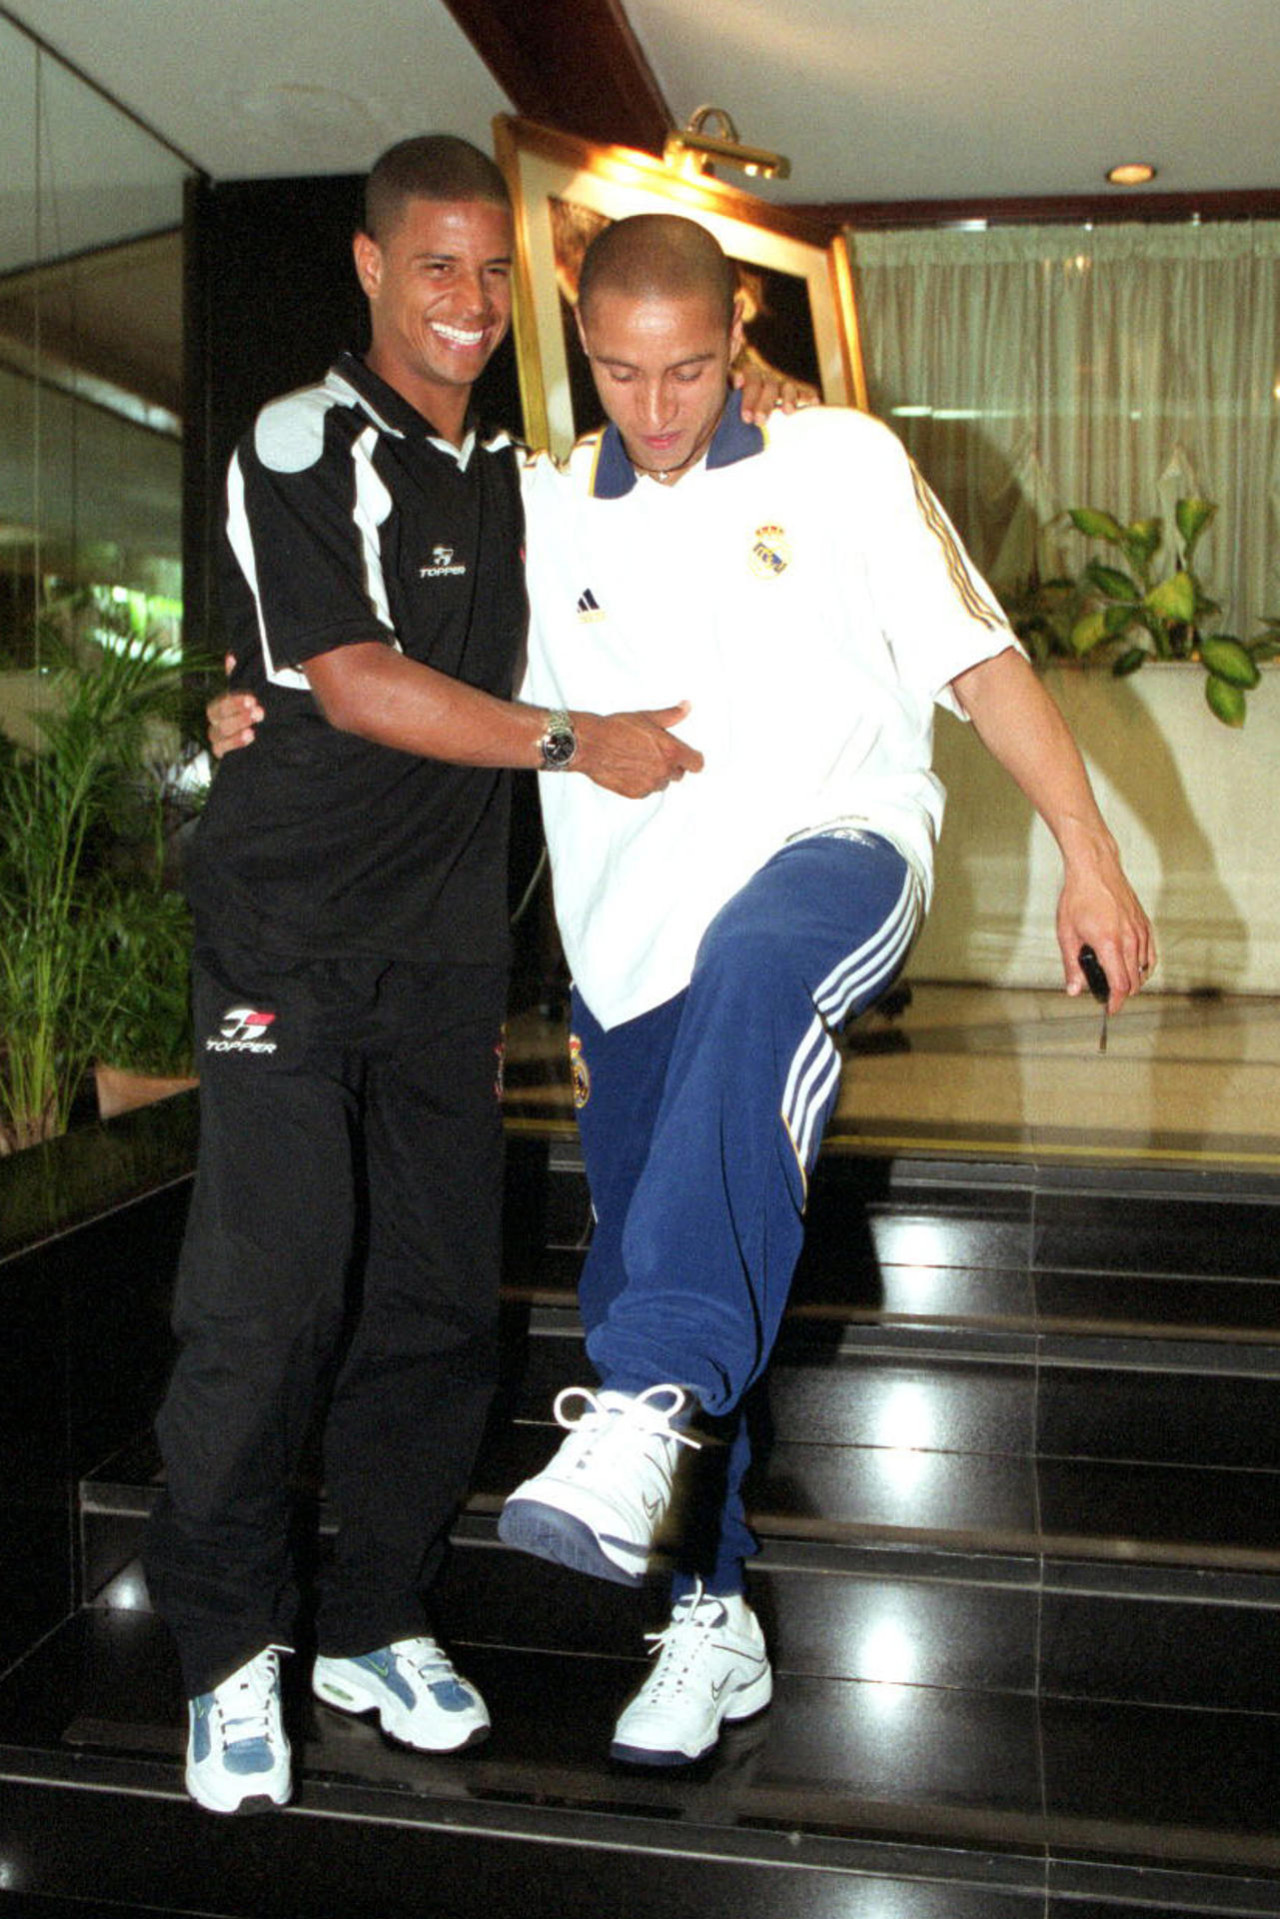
(958, 99)
(251, 88)
(872, 99)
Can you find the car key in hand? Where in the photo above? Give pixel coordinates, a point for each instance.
(1099, 986)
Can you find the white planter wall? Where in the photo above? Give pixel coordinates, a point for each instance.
(1192, 803)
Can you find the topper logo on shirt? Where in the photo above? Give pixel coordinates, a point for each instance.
(442, 565)
(242, 1031)
(770, 552)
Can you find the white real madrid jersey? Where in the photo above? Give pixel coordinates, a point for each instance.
(804, 590)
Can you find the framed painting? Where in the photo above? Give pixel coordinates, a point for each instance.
(794, 272)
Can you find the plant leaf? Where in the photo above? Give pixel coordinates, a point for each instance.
(1174, 599)
(1086, 633)
(1225, 657)
(1111, 582)
(1129, 662)
(1226, 702)
(1193, 516)
(1096, 525)
(1141, 541)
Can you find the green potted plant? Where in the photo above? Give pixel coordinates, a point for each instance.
(93, 946)
(1155, 606)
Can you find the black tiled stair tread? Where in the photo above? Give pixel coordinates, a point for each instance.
(1124, 1304)
(1130, 1521)
(1117, 1217)
(870, 1290)
(1164, 1414)
(1151, 1304)
(1210, 1643)
(539, 1861)
(1172, 1515)
(835, 1760)
(883, 1444)
(1172, 1234)
(986, 1391)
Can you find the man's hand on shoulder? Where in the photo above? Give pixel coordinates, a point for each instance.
(634, 754)
(764, 389)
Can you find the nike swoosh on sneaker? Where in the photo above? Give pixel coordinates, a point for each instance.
(627, 1546)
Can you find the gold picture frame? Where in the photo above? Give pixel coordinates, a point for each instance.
(563, 189)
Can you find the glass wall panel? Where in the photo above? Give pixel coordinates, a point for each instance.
(90, 356)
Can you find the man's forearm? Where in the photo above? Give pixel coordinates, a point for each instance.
(376, 692)
(372, 690)
(1019, 724)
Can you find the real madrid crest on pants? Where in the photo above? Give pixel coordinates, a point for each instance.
(578, 1073)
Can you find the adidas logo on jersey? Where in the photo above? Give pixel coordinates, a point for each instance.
(589, 607)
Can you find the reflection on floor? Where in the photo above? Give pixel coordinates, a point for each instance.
(973, 1069)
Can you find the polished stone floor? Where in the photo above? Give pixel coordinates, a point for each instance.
(1016, 1487)
(1018, 1074)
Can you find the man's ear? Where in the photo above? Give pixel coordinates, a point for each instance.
(368, 258)
(737, 337)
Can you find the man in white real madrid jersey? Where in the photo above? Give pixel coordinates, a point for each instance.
(810, 599)
(803, 589)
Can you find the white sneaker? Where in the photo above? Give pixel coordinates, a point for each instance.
(600, 1503)
(711, 1666)
(412, 1686)
(238, 1758)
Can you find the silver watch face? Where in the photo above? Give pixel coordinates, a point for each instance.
(557, 746)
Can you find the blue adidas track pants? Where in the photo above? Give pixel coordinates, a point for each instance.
(700, 1123)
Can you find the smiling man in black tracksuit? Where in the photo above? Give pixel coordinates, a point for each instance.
(348, 881)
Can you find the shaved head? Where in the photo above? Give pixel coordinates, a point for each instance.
(431, 166)
(658, 256)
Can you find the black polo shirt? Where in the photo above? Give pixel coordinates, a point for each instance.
(349, 521)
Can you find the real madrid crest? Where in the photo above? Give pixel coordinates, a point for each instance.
(770, 552)
(578, 1073)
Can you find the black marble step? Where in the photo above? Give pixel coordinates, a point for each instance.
(932, 1388)
(902, 1616)
(846, 1797)
(882, 1291)
(1157, 1456)
(1114, 1250)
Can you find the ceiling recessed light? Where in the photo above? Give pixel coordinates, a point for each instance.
(1133, 173)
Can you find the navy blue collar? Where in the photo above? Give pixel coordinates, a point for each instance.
(732, 440)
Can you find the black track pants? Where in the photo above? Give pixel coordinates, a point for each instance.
(346, 1216)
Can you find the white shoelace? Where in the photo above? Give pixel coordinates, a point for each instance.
(246, 1714)
(598, 1420)
(425, 1658)
(684, 1639)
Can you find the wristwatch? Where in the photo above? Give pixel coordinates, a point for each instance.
(559, 744)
